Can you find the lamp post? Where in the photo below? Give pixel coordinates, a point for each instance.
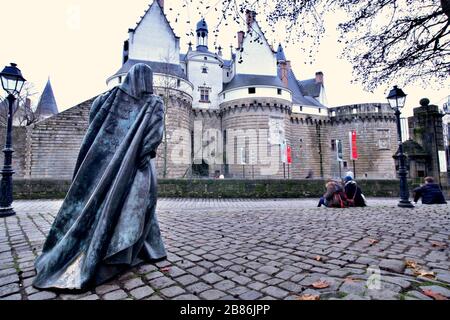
(397, 100)
(12, 82)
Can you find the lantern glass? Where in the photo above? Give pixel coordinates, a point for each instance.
(12, 79)
(396, 98)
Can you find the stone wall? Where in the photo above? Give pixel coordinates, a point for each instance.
(20, 142)
(55, 142)
(49, 149)
(208, 188)
(376, 130)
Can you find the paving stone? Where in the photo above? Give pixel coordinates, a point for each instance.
(42, 295)
(90, 297)
(353, 287)
(382, 294)
(199, 287)
(142, 292)
(212, 294)
(225, 285)
(197, 271)
(187, 279)
(9, 289)
(392, 265)
(103, 289)
(162, 282)
(172, 291)
(211, 278)
(187, 297)
(418, 295)
(115, 295)
(133, 283)
(437, 289)
(269, 270)
(251, 295)
(12, 297)
(275, 292)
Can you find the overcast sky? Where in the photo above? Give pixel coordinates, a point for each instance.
(78, 44)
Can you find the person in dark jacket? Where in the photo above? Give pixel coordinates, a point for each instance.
(429, 192)
(354, 194)
(334, 196)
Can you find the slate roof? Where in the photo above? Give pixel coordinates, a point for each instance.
(47, 102)
(227, 63)
(247, 80)
(157, 67)
(155, 2)
(310, 87)
(297, 95)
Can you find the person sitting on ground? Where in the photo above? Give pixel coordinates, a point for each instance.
(429, 192)
(334, 197)
(355, 197)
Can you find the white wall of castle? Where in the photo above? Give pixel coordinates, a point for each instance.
(260, 92)
(153, 39)
(257, 58)
(161, 81)
(213, 79)
(312, 110)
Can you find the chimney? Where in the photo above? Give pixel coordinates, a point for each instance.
(285, 67)
(240, 36)
(319, 77)
(219, 52)
(250, 18)
(161, 4)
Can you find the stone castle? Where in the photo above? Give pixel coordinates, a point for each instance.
(233, 117)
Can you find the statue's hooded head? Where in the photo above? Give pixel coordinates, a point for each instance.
(139, 81)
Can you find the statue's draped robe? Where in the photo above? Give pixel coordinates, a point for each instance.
(107, 222)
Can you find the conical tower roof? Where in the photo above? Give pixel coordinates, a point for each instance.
(47, 104)
(280, 53)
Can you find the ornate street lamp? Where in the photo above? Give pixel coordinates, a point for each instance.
(397, 100)
(12, 82)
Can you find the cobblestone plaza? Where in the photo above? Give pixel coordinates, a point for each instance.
(258, 249)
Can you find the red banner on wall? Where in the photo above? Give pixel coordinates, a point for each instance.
(353, 146)
(289, 154)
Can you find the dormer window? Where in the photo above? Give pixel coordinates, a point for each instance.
(279, 91)
(204, 94)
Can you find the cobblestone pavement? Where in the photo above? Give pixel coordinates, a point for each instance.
(259, 249)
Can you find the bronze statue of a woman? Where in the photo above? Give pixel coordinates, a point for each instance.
(107, 222)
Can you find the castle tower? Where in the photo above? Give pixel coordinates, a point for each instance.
(153, 42)
(47, 106)
(202, 35)
(255, 108)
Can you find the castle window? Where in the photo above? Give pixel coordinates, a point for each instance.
(355, 110)
(205, 58)
(204, 70)
(251, 90)
(320, 110)
(333, 145)
(279, 91)
(204, 94)
(301, 108)
(228, 74)
(120, 79)
(178, 83)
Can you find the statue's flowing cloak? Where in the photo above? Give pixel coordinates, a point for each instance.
(107, 221)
